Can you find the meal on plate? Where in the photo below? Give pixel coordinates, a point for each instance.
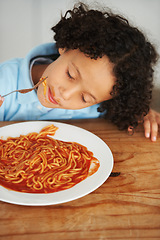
(38, 163)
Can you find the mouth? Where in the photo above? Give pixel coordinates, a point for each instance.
(51, 97)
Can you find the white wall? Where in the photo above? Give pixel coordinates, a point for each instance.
(26, 23)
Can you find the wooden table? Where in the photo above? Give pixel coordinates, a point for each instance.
(126, 206)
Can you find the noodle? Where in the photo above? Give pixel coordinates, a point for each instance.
(44, 85)
(37, 163)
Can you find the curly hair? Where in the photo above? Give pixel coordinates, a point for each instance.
(98, 33)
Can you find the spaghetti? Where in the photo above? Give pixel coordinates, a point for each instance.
(38, 163)
(44, 85)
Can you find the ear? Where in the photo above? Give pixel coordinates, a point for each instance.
(61, 50)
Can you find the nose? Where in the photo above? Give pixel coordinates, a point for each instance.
(69, 92)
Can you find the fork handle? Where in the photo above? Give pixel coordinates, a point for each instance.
(9, 93)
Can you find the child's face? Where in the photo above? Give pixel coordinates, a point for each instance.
(76, 81)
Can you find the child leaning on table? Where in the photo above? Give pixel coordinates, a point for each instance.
(99, 66)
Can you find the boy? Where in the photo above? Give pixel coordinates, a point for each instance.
(99, 63)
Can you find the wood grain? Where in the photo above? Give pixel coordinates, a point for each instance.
(124, 207)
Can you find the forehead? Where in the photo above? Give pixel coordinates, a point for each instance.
(93, 67)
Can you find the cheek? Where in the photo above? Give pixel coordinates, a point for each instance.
(40, 92)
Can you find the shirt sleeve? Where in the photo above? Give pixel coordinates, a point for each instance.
(8, 83)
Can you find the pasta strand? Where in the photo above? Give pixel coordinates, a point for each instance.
(38, 163)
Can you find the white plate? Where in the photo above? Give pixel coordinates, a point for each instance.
(65, 132)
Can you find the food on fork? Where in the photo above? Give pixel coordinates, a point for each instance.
(44, 84)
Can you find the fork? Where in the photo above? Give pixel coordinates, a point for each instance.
(28, 89)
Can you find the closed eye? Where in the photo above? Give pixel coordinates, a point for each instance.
(83, 99)
(69, 75)
(87, 98)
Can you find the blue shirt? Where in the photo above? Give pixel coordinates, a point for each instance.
(15, 74)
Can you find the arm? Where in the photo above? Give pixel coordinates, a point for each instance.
(151, 124)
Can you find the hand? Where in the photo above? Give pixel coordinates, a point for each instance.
(151, 124)
(1, 100)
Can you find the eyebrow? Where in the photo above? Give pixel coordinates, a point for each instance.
(82, 78)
